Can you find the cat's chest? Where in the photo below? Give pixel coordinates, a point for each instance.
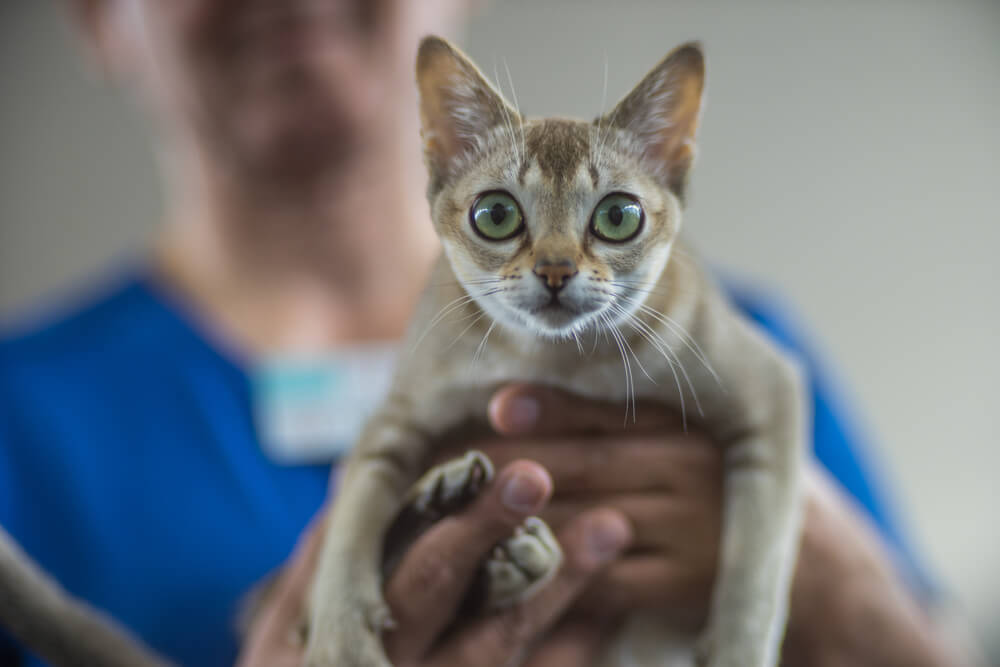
(460, 386)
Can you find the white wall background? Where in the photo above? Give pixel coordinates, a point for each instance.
(850, 158)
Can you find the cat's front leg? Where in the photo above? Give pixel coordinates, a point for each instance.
(348, 612)
(760, 532)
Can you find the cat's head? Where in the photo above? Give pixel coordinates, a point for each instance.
(553, 225)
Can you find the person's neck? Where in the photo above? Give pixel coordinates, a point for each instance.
(300, 272)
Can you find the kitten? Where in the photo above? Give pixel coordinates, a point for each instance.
(561, 235)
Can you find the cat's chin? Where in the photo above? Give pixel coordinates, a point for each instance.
(551, 321)
(557, 322)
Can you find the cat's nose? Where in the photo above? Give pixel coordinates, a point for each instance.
(555, 275)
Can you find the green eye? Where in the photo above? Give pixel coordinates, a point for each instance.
(496, 216)
(617, 218)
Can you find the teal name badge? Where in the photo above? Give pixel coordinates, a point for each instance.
(311, 410)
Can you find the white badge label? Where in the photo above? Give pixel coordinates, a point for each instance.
(311, 410)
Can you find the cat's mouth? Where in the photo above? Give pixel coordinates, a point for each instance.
(553, 300)
(554, 305)
(556, 315)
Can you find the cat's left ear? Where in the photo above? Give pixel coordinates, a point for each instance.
(663, 112)
(458, 106)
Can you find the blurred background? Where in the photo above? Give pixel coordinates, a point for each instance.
(849, 161)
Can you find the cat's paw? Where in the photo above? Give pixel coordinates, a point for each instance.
(448, 487)
(522, 564)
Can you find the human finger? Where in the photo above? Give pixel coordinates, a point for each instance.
(590, 543)
(518, 409)
(673, 462)
(430, 582)
(680, 586)
(660, 521)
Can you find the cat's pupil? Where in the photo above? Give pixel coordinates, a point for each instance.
(498, 213)
(615, 215)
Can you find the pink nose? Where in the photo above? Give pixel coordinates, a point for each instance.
(555, 275)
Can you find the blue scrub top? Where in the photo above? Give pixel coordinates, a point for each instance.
(130, 468)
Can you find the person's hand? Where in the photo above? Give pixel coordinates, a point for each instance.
(668, 483)
(848, 605)
(430, 582)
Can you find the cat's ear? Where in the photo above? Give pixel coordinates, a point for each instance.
(458, 106)
(663, 113)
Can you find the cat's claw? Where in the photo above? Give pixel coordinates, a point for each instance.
(448, 487)
(380, 619)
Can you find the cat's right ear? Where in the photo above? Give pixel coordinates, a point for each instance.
(458, 106)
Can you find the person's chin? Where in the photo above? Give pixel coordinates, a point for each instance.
(299, 150)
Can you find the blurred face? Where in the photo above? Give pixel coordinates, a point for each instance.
(281, 89)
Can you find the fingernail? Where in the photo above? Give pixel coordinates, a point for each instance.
(523, 492)
(607, 537)
(522, 412)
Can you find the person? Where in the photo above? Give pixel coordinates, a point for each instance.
(133, 466)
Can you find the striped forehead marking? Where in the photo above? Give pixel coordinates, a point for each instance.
(558, 147)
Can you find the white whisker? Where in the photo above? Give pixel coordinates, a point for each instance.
(687, 339)
(517, 107)
(604, 100)
(629, 384)
(632, 321)
(466, 329)
(607, 129)
(482, 344)
(677, 330)
(508, 122)
(672, 359)
(446, 310)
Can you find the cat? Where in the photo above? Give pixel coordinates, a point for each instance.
(561, 235)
